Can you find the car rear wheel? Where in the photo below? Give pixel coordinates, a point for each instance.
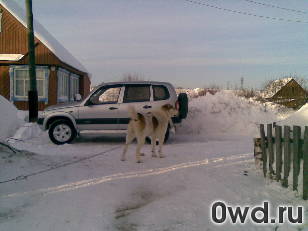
(61, 132)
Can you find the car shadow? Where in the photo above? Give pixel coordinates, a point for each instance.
(108, 138)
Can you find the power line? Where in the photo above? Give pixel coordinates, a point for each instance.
(244, 12)
(275, 6)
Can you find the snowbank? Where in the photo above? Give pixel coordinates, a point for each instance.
(9, 121)
(26, 132)
(226, 114)
(299, 118)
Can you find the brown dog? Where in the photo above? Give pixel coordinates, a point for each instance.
(153, 124)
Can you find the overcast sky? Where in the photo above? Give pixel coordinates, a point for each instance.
(188, 44)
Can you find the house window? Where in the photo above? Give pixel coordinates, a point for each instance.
(63, 85)
(68, 85)
(74, 88)
(20, 83)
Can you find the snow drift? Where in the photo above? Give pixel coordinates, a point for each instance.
(299, 118)
(226, 114)
(9, 121)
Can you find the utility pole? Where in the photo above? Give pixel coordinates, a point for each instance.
(242, 83)
(32, 94)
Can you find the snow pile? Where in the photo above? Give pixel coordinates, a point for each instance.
(9, 121)
(299, 118)
(226, 114)
(26, 132)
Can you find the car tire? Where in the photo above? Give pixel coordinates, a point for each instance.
(183, 101)
(62, 132)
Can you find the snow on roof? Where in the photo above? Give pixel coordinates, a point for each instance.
(274, 87)
(11, 57)
(43, 35)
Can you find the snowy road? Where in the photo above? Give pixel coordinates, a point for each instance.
(103, 193)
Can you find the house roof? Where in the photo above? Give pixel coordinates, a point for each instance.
(274, 87)
(43, 35)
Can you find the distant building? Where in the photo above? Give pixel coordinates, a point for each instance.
(287, 92)
(60, 76)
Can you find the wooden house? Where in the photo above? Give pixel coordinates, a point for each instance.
(60, 76)
(286, 91)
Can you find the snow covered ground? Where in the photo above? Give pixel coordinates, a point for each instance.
(85, 186)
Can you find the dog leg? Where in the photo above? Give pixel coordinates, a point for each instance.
(140, 141)
(129, 139)
(161, 141)
(153, 143)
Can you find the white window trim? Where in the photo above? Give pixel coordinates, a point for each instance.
(69, 96)
(74, 77)
(14, 97)
(62, 98)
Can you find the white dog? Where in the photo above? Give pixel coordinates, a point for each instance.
(153, 124)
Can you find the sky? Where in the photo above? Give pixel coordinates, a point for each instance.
(187, 44)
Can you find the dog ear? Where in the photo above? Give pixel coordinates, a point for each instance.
(167, 106)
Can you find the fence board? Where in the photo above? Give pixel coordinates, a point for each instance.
(278, 136)
(287, 156)
(296, 153)
(305, 165)
(263, 147)
(270, 149)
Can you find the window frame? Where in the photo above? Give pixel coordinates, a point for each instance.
(106, 87)
(13, 84)
(61, 94)
(74, 78)
(166, 90)
(137, 101)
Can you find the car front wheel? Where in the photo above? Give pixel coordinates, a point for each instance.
(61, 132)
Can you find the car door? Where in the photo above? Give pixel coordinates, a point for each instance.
(100, 111)
(138, 96)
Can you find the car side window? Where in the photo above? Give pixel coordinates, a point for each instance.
(136, 93)
(160, 93)
(106, 96)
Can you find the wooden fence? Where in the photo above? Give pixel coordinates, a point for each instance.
(282, 154)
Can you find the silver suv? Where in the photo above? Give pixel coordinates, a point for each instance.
(105, 109)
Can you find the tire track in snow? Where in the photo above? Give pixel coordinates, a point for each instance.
(136, 174)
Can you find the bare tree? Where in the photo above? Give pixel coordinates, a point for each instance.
(129, 77)
(279, 81)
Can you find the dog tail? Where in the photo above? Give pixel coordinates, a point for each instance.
(133, 113)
